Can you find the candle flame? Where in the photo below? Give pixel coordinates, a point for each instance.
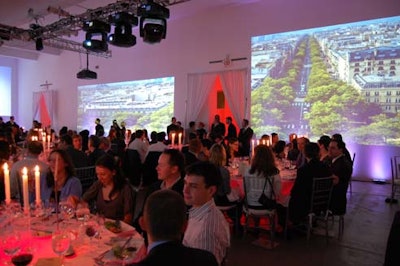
(24, 171)
(5, 166)
(37, 168)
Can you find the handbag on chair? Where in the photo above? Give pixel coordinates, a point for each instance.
(269, 203)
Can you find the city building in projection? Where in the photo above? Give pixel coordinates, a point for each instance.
(343, 78)
(140, 104)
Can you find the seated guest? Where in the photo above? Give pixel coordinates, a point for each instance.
(35, 148)
(79, 158)
(232, 149)
(207, 227)
(225, 196)
(323, 144)
(160, 145)
(346, 152)
(4, 156)
(139, 144)
(61, 178)
(300, 195)
(279, 152)
(164, 220)
(94, 150)
(112, 194)
(191, 155)
(77, 142)
(342, 170)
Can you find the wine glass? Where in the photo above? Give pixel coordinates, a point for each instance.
(67, 210)
(22, 259)
(60, 242)
(11, 243)
(91, 229)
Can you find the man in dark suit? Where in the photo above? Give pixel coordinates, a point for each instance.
(164, 220)
(300, 195)
(342, 170)
(217, 128)
(245, 136)
(173, 128)
(232, 132)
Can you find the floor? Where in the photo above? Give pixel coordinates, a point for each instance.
(366, 227)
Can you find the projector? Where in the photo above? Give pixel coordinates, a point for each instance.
(86, 74)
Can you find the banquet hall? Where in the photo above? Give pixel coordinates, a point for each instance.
(208, 46)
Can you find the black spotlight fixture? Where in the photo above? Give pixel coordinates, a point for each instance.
(39, 44)
(96, 35)
(122, 35)
(86, 73)
(153, 23)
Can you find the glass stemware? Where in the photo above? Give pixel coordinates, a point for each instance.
(11, 244)
(60, 242)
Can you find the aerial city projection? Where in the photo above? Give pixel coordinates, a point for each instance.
(337, 79)
(139, 104)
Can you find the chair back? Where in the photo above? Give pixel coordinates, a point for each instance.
(321, 195)
(132, 166)
(395, 164)
(87, 176)
(149, 168)
(253, 187)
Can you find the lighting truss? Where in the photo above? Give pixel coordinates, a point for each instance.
(54, 34)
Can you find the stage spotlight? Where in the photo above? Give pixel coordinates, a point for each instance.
(122, 36)
(153, 23)
(96, 35)
(39, 44)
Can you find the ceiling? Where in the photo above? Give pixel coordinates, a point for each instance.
(22, 13)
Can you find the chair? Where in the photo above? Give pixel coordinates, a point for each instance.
(395, 167)
(87, 176)
(149, 168)
(132, 167)
(253, 187)
(226, 209)
(319, 207)
(351, 177)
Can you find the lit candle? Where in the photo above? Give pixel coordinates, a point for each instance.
(48, 141)
(37, 185)
(179, 139)
(7, 183)
(25, 190)
(173, 139)
(263, 141)
(258, 142)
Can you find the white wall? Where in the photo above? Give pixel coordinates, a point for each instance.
(190, 44)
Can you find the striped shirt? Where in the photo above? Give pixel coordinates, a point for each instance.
(208, 229)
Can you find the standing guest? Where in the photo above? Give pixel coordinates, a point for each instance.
(112, 194)
(217, 128)
(190, 132)
(232, 132)
(172, 128)
(164, 220)
(245, 136)
(11, 122)
(35, 148)
(60, 181)
(207, 227)
(201, 131)
(99, 129)
(2, 124)
(342, 170)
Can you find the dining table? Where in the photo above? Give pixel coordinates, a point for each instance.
(97, 249)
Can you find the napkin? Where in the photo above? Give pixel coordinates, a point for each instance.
(54, 261)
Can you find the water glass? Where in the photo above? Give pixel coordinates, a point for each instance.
(60, 242)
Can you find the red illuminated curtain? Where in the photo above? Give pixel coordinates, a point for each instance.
(235, 85)
(43, 103)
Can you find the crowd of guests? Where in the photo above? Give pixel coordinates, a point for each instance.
(193, 178)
